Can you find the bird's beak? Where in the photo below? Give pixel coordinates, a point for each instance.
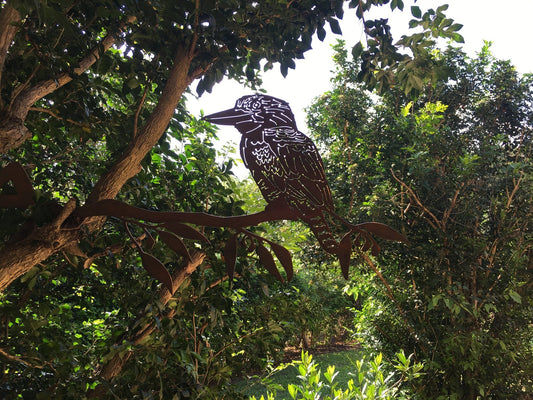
(228, 117)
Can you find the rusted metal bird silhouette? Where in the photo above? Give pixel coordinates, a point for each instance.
(283, 161)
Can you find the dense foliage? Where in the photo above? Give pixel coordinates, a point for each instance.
(92, 106)
(371, 379)
(451, 168)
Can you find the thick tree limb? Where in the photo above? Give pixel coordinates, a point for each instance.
(18, 258)
(129, 163)
(12, 130)
(21, 257)
(9, 17)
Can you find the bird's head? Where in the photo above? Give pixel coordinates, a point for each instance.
(255, 112)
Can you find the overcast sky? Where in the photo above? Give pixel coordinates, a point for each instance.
(508, 24)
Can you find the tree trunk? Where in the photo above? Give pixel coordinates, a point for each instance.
(129, 164)
(20, 257)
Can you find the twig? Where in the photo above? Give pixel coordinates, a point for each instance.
(53, 114)
(390, 295)
(448, 212)
(419, 203)
(138, 111)
(196, 27)
(20, 360)
(515, 189)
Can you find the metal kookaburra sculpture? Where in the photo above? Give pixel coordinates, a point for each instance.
(284, 162)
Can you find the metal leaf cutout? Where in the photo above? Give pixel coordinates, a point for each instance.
(383, 231)
(247, 242)
(150, 241)
(156, 269)
(175, 243)
(284, 257)
(268, 262)
(230, 255)
(23, 196)
(344, 252)
(375, 247)
(185, 231)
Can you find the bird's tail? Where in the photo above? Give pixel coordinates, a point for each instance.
(320, 228)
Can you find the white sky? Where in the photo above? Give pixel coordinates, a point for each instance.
(508, 24)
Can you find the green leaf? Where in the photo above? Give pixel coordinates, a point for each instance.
(455, 27)
(284, 69)
(458, 38)
(335, 27)
(515, 296)
(357, 50)
(321, 33)
(415, 10)
(434, 301)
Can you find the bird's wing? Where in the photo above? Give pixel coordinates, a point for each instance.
(301, 171)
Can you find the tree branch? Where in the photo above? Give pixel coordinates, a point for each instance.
(53, 114)
(114, 366)
(13, 358)
(129, 163)
(22, 103)
(22, 256)
(12, 130)
(9, 17)
(436, 223)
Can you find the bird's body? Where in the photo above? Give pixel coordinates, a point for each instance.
(283, 161)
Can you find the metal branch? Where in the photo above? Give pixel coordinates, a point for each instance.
(115, 208)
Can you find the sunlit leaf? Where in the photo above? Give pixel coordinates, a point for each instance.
(515, 296)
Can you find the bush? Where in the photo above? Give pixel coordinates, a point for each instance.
(370, 381)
